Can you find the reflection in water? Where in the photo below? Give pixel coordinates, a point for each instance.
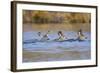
(56, 27)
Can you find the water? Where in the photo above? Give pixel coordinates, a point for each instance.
(53, 46)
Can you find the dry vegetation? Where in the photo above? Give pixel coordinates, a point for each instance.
(30, 16)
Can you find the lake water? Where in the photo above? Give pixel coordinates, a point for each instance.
(31, 44)
(35, 50)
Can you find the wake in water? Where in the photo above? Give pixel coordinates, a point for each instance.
(32, 41)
